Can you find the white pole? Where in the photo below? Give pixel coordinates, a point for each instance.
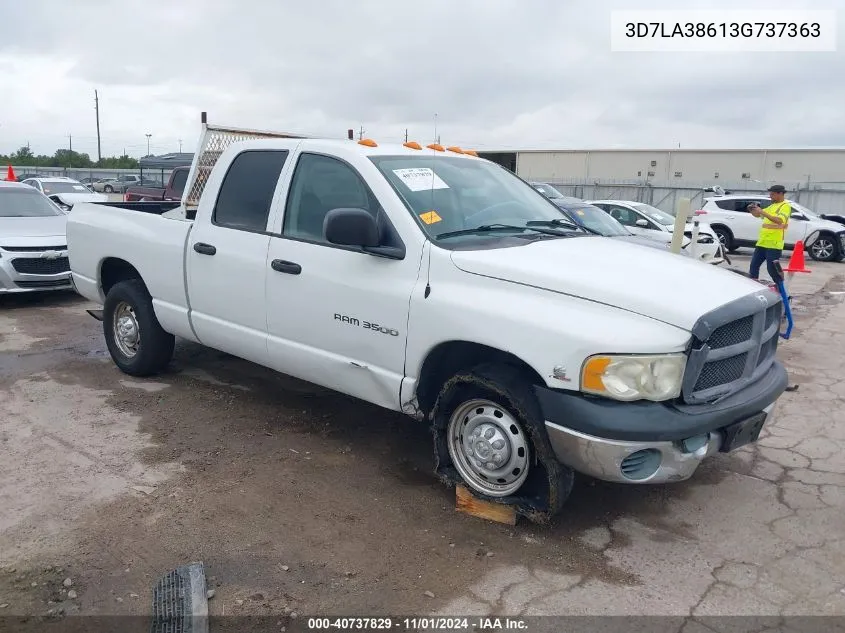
(682, 213)
(694, 246)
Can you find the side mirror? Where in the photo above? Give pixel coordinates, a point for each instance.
(351, 227)
(642, 223)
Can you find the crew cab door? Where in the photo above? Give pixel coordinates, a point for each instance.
(227, 255)
(337, 316)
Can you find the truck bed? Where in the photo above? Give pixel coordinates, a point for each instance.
(140, 235)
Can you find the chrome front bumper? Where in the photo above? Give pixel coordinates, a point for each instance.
(634, 462)
(12, 281)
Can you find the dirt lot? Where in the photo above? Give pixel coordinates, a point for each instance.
(301, 500)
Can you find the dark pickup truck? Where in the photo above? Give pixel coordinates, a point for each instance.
(171, 192)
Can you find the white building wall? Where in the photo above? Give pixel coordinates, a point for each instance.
(685, 166)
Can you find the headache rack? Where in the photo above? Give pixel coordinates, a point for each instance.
(214, 139)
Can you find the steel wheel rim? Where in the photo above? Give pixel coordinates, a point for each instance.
(488, 447)
(822, 248)
(127, 334)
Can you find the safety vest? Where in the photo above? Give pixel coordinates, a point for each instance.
(771, 234)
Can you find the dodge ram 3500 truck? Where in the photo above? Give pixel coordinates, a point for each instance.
(433, 282)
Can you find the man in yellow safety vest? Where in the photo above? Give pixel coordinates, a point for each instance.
(772, 233)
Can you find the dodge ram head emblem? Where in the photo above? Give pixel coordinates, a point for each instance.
(762, 299)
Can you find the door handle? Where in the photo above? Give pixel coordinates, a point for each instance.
(204, 249)
(282, 266)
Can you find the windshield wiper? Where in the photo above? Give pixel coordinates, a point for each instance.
(488, 228)
(563, 223)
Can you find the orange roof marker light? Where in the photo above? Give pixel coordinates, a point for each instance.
(435, 147)
(412, 145)
(368, 142)
(471, 152)
(455, 149)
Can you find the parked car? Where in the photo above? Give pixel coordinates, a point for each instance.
(33, 246)
(594, 220)
(65, 192)
(735, 227)
(412, 279)
(116, 185)
(653, 223)
(552, 193)
(169, 192)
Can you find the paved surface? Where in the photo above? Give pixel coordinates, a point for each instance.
(301, 500)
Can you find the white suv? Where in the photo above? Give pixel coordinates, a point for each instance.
(729, 217)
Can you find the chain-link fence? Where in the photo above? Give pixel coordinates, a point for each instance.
(828, 197)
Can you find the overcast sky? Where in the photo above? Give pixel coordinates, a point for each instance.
(498, 73)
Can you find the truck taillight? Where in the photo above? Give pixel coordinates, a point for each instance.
(126, 197)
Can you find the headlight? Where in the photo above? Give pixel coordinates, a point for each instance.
(634, 377)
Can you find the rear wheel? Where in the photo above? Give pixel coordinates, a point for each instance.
(824, 249)
(725, 237)
(108, 189)
(136, 341)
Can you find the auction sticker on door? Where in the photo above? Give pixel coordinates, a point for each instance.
(420, 179)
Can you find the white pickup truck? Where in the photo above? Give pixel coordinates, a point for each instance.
(432, 282)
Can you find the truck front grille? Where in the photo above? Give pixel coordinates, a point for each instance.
(33, 249)
(732, 347)
(38, 266)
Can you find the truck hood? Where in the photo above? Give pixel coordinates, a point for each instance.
(660, 285)
(16, 231)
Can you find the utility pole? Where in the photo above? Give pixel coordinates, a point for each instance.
(361, 133)
(180, 145)
(148, 143)
(406, 135)
(70, 150)
(97, 109)
(436, 137)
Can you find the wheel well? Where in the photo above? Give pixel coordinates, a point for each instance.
(723, 227)
(115, 270)
(445, 360)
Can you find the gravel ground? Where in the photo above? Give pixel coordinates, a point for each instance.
(301, 500)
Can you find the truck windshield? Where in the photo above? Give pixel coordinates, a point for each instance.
(23, 203)
(450, 194)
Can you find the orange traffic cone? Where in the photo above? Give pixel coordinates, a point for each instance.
(796, 261)
(10, 175)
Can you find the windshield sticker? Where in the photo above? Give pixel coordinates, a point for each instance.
(430, 217)
(581, 213)
(420, 179)
(79, 187)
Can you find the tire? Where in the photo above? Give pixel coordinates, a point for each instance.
(823, 249)
(150, 350)
(108, 189)
(725, 236)
(498, 404)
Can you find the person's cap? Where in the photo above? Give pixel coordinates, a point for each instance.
(777, 189)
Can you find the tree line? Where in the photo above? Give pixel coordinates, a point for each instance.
(66, 158)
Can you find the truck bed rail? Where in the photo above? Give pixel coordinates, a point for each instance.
(214, 139)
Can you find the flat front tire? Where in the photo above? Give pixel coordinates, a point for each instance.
(490, 436)
(136, 341)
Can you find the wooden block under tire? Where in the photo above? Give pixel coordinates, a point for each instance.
(468, 503)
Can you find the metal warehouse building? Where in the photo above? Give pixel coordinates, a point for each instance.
(791, 167)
